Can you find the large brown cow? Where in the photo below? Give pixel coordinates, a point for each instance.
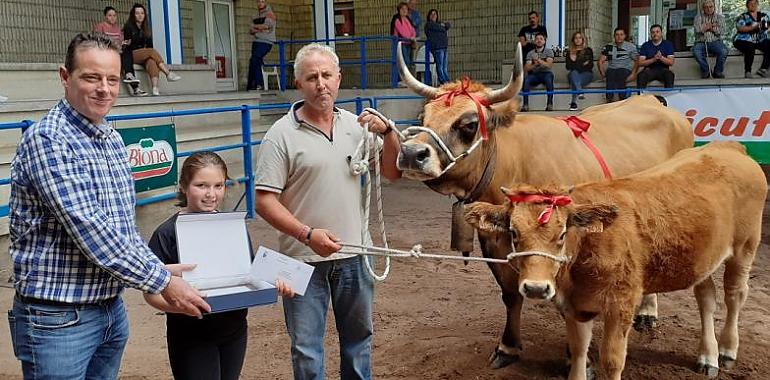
(631, 135)
(597, 249)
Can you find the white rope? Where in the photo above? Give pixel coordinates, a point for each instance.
(359, 165)
(415, 252)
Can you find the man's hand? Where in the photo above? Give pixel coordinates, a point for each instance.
(376, 124)
(323, 242)
(284, 289)
(631, 77)
(658, 56)
(183, 299)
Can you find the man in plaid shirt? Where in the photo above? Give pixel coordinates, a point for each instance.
(74, 241)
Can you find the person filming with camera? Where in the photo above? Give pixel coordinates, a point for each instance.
(752, 35)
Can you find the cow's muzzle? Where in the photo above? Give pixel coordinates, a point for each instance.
(418, 161)
(537, 290)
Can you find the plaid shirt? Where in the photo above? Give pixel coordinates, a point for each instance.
(72, 218)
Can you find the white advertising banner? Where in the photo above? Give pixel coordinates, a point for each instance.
(736, 113)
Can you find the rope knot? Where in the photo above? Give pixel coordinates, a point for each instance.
(480, 102)
(416, 250)
(552, 201)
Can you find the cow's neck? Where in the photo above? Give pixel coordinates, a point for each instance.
(468, 181)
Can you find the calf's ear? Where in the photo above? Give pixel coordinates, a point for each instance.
(591, 215)
(487, 217)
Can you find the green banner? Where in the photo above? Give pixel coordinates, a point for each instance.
(759, 150)
(151, 155)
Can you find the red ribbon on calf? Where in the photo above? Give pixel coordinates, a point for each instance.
(579, 127)
(551, 200)
(480, 102)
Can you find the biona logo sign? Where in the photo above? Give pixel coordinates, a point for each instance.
(149, 158)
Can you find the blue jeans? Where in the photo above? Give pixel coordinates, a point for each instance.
(350, 288)
(406, 50)
(715, 48)
(578, 80)
(441, 65)
(258, 52)
(536, 78)
(69, 342)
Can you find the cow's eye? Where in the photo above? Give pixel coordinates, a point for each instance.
(562, 236)
(468, 131)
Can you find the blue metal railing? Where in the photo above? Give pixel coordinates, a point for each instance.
(245, 145)
(246, 130)
(363, 60)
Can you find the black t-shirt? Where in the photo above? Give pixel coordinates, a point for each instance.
(183, 327)
(529, 34)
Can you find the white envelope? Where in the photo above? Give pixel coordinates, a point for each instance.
(270, 265)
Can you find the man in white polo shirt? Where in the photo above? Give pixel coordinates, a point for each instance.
(306, 191)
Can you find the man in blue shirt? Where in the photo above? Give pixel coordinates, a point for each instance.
(74, 242)
(656, 57)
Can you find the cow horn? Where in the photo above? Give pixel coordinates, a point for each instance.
(514, 84)
(418, 87)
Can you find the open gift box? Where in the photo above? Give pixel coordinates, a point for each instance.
(219, 245)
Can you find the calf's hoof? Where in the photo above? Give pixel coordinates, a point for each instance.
(726, 362)
(500, 359)
(709, 370)
(643, 323)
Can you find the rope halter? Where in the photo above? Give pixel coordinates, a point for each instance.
(552, 201)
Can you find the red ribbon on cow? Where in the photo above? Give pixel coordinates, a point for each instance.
(579, 128)
(480, 102)
(552, 201)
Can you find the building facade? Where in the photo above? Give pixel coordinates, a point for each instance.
(215, 32)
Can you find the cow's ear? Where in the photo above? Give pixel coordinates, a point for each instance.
(592, 216)
(487, 217)
(501, 114)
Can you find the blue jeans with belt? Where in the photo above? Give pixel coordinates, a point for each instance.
(350, 289)
(258, 52)
(68, 341)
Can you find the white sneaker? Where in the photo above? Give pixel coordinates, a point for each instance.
(155, 91)
(130, 78)
(139, 92)
(173, 77)
(3, 99)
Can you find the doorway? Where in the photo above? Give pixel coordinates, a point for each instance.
(214, 40)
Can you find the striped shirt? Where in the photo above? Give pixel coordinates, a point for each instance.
(72, 219)
(715, 33)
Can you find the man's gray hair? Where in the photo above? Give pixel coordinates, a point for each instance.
(309, 50)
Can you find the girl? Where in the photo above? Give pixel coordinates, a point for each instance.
(212, 347)
(438, 42)
(401, 26)
(138, 32)
(580, 64)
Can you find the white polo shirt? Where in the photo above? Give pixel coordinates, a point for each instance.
(312, 175)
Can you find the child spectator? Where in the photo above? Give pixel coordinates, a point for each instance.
(110, 27)
(580, 64)
(438, 43)
(137, 30)
(212, 347)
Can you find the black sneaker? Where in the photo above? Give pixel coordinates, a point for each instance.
(573, 107)
(549, 107)
(717, 75)
(524, 108)
(704, 75)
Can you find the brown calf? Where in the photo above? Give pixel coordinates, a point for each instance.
(599, 248)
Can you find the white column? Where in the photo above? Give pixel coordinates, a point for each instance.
(554, 20)
(323, 19)
(166, 29)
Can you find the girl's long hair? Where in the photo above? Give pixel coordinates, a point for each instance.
(574, 48)
(144, 27)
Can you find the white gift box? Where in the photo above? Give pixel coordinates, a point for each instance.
(219, 245)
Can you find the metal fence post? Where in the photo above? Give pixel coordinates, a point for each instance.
(248, 167)
(364, 79)
(393, 68)
(359, 105)
(28, 124)
(282, 62)
(427, 77)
